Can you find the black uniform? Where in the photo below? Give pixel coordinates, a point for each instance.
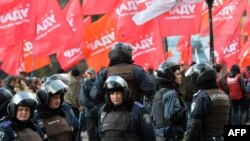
(210, 106)
(126, 121)
(121, 64)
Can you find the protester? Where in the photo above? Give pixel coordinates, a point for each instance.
(90, 109)
(234, 85)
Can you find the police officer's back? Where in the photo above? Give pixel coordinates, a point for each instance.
(121, 64)
(121, 118)
(210, 106)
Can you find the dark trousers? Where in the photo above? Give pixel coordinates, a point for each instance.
(92, 129)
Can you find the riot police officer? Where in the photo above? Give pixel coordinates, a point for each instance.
(5, 97)
(53, 113)
(121, 118)
(210, 106)
(18, 125)
(169, 112)
(121, 64)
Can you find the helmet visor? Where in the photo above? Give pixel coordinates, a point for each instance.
(23, 96)
(54, 86)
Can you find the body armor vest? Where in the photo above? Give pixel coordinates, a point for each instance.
(127, 73)
(235, 91)
(28, 134)
(57, 128)
(115, 126)
(158, 109)
(218, 113)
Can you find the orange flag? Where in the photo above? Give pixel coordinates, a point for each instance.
(31, 61)
(99, 38)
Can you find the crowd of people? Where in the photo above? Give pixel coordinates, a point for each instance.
(127, 102)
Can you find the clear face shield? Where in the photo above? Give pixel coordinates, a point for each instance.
(54, 86)
(24, 96)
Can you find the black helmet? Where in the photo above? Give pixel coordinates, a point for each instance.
(5, 97)
(49, 88)
(24, 98)
(166, 70)
(121, 51)
(201, 73)
(115, 82)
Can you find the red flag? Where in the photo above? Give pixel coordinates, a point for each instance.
(244, 55)
(70, 56)
(95, 7)
(123, 13)
(185, 49)
(179, 17)
(8, 4)
(99, 37)
(74, 17)
(18, 21)
(87, 21)
(227, 48)
(148, 46)
(227, 18)
(12, 64)
(247, 25)
(52, 27)
(145, 38)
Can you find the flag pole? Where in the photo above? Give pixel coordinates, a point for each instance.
(210, 6)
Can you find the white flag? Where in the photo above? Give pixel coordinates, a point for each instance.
(157, 8)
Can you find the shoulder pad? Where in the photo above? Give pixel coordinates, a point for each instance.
(139, 104)
(5, 124)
